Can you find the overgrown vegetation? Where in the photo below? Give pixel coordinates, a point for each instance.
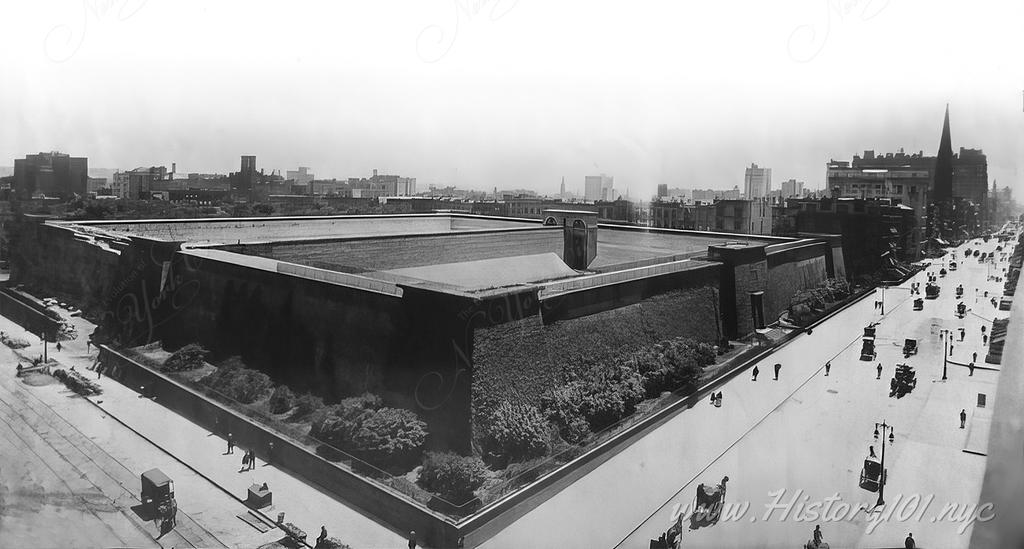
(189, 357)
(807, 306)
(239, 383)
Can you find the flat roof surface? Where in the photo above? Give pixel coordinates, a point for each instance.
(492, 273)
(615, 246)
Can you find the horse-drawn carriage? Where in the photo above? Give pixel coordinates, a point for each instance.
(931, 291)
(707, 508)
(903, 382)
(158, 498)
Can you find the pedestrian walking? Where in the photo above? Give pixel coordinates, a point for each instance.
(252, 459)
(777, 368)
(713, 398)
(871, 451)
(231, 444)
(984, 339)
(974, 357)
(270, 452)
(245, 461)
(412, 539)
(87, 344)
(963, 418)
(879, 371)
(756, 371)
(982, 329)
(99, 371)
(961, 334)
(971, 366)
(828, 366)
(58, 346)
(909, 543)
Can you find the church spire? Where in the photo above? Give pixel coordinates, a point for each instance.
(943, 187)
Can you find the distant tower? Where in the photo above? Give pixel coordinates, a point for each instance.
(561, 193)
(248, 165)
(942, 190)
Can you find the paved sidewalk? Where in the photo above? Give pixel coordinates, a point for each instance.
(304, 505)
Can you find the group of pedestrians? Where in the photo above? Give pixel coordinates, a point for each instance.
(248, 457)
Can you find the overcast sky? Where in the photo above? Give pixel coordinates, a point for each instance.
(500, 93)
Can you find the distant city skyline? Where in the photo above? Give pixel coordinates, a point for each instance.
(490, 95)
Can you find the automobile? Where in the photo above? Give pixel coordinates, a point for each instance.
(158, 497)
(872, 476)
(909, 347)
(952, 265)
(976, 252)
(919, 304)
(867, 349)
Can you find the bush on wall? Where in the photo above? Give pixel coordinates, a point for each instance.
(451, 476)
(516, 431)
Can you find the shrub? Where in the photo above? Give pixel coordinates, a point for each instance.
(242, 384)
(281, 400)
(452, 476)
(562, 407)
(389, 435)
(611, 396)
(516, 431)
(189, 357)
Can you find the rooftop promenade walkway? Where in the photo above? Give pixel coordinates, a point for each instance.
(202, 454)
(806, 434)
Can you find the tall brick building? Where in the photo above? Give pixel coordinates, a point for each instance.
(52, 174)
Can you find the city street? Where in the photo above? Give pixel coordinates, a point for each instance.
(808, 434)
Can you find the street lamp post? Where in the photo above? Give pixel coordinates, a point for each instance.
(892, 438)
(944, 336)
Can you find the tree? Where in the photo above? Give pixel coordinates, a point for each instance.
(306, 405)
(516, 431)
(451, 476)
(242, 384)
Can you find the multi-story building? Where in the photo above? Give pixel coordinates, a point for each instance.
(902, 185)
(96, 186)
(662, 191)
(757, 182)
(672, 215)
(711, 195)
(51, 174)
(598, 187)
(143, 181)
(735, 216)
(792, 188)
(300, 176)
(877, 233)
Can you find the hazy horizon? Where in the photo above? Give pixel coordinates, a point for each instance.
(493, 93)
